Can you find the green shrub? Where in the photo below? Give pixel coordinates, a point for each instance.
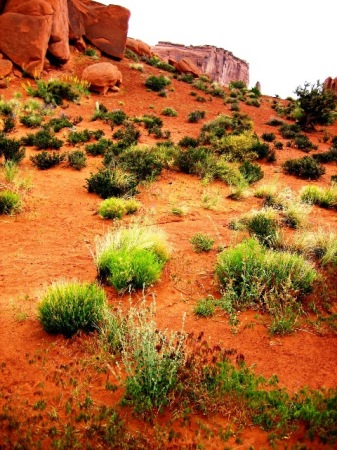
(316, 195)
(155, 61)
(268, 137)
(237, 84)
(10, 149)
(77, 159)
(251, 172)
(278, 145)
(10, 202)
(128, 135)
(194, 160)
(320, 244)
(55, 91)
(131, 257)
(237, 148)
(186, 78)
(42, 140)
(275, 122)
(45, 160)
(200, 99)
(157, 84)
(302, 142)
(253, 275)
(195, 116)
(326, 157)
(170, 112)
(264, 226)
(202, 242)
(306, 168)
(116, 208)
(99, 147)
(289, 131)
(69, 307)
(91, 52)
(76, 137)
(111, 182)
(188, 141)
(31, 120)
(142, 162)
(58, 123)
(205, 307)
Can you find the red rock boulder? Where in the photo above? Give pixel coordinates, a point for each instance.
(139, 47)
(106, 27)
(5, 67)
(185, 65)
(331, 84)
(102, 77)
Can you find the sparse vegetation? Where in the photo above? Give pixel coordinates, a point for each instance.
(306, 168)
(202, 242)
(116, 208)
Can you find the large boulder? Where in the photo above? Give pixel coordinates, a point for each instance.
(59, 38)
(5, 68)
(185, 65)
(106, 27)
(139, 47)
(102, 77)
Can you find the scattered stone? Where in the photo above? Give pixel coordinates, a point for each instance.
(5, 67)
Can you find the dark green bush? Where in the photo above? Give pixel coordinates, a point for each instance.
(188, 141)
(143, 163)
(98, 148)
(77, 159)
(57, 123)
(150, 121)
(45, 160)
(127, 135)
(289, 131)
(9, 202)
(268, 137)
(43, 140)
(159, 63)
(306, 168)
(111, 182)
(70, 307)
(10, 149)
(76, 137)
(302, 142)
(31, 120)
(275, 122)
(157, 84)
(278, 145)
(192, 160)
(54, 91)
(326, 157)
(170, 112)
(9, 124)
(186, 78)
(251, 172)
(195, 116)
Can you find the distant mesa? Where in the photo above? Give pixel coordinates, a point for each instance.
(331, 84)
(219, 64)
(33, 30)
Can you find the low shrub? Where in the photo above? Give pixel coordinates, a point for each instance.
(289, 131)
(316, 195)
(127, 135)
(278, 145)
(237, 148)
(188, 141)
(302, 142)
(195, 116)
(268, 137)
(11, 149)
(320, 244)
(58, 123)
(264, 226)
(43, 139)
(76, 137)
(275, 122)
(77, 159)
(111, 182)
(157, 84)
(116, 208)
(10, 202)
(251, 172)
(205, 307)
(69, 307)
(98, 148)
(202, 242)
(306, 168)
(31, 120)
(194, 160)
(326, 157)
(170, 112)
(46, 160)
(55, 91)
(144, 163)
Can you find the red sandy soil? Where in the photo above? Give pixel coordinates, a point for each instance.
(53, 237)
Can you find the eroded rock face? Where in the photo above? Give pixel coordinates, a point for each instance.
(106, 27)
(331, 84)
(102, 77)
(31, 28)
(5, 67)
(221, 65)
(185, 65)
(139, 47)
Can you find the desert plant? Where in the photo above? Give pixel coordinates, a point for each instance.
(157, 84)
(237, 148)
(76, 137)
(77, 159)
(268, 137)
(195, 160)
(145, 163)
(127, 135)
(188, 141)
(131, 257)
(195, 116)
(91, 52)
(202, 242)
(306, 168)
(320, 244)
(205, 307)
(251, 172)
(302, 142)
(58, 123)
(11, 149)
(98, 148)
(10, 169)
(170, 112)
(43, 139)
(264, 226)
(70, 306)
(111, 182)
(289, 131)
(316, 195)
(326, 157)
(116, 208)
(55, 91)
(278, 145)
(32, 120)
(46, 160)
(274, 122)
(10, 202)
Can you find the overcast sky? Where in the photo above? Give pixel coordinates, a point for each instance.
(285, 42)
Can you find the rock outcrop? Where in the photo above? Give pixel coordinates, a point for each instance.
(219, 64)
(5, 67)
(331, 84)
(139, 47)
(102, 77)
(29, 29)
(185, 65)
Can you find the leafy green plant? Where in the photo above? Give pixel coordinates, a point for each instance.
(55, 91)
(70, 306)
(170, 112)
(131, 257)
(326, 157)
(76, 137)
(32, 120)
(205, 307)
(144, 163)
(46, 160)
(188, 141)
(202, 242)
(251, 172)
(77, 159)
(111, 182)
(127, 135)
(91, 52)
(195, 116)
(58, 123)
(43, 139)
(11, 149)
(268, 137)
(306, 168)
(264, 226)
(302, 142)
(116, 208)
(98, 148)
(157, 84)
(316, 195)
(10, 202)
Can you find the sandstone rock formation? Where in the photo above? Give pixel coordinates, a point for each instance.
(102, 77)
(139, 47)
(221, 65)
(31, 28)
(331, 84)
(185, 65)
(5, 68)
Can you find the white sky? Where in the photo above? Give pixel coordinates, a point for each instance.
(285, 42)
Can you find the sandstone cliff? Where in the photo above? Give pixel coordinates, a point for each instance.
(219, 64)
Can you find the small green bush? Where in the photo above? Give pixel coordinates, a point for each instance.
(116, 208)
(10, 202)
(264, 226)
(55, 91)
(11, 149)
(251, 172)
(76, 137)
(58, 123)
(195, 116)
(326, 157)
(127, 135)
(316, 195)
(111, 182)
(275, 122)
(43, 140)
(45, 160)
(69, 307)
(268, 137)
(157, 84)
(77, 159)
(289, 131)
(188, 141)
(204, 307)
(31, 120)
(170, 112)
(142, 162)
(202, 242)
(98, 148)
(302, 142)
(306, 168)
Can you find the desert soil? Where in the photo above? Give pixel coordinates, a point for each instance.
(53, 237)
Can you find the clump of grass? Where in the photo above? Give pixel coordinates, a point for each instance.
(195, 116)
(263, 225)
(55, 91)
(131, 258)
(77, 159)
(157, 84)
(11, 149)
(320, 244)
(316, 195)
(69, 307)
(10, 202)
(306, 168)
(116, 208)
(205, 307)
(202, 242)
(46, 160)
(170, 112)
(111, 182)
(42, 140)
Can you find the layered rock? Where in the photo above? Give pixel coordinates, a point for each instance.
(331, 84)
(31, 28)
(139, 47)
(185, 65)
(221, 65)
